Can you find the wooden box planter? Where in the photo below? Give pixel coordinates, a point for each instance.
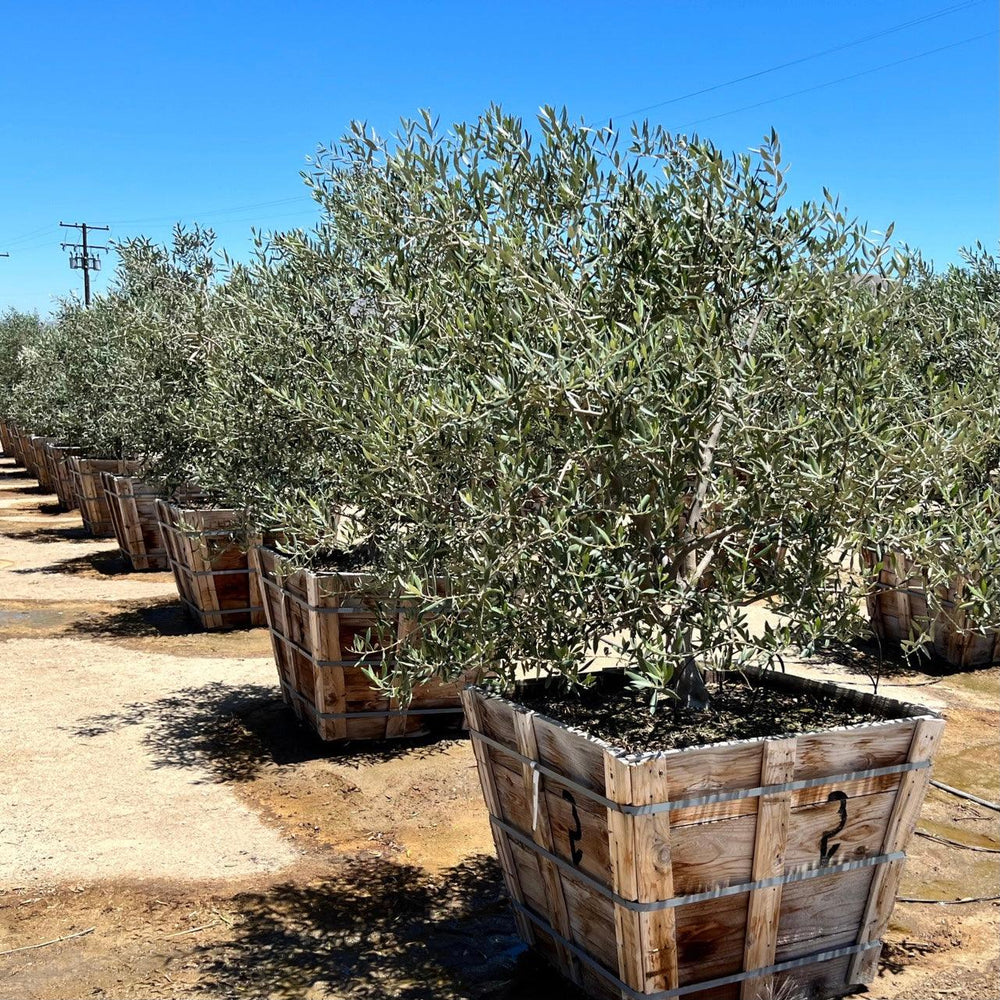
(85, 474)
(57, 459)
(212, 571)
(132, 504)
(26, 444)
(899, 612)
(6, 439)
(43, 472)
(19, 442)
(714, 872)
(314, 619)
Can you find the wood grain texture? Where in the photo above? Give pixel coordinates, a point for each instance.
(770, 842)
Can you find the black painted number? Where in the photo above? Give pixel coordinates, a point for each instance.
(826, 849)
(576, 834)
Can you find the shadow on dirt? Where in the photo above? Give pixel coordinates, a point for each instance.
(53, 534)
(378, 930)
(868, 657)
(233, 732)
(111, 563)
(30, 491)
(51, 508)
(164, 618)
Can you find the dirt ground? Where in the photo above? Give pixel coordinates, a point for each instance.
(162, 811)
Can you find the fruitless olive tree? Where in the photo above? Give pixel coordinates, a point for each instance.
(113, 377)
(938, 502)
(627, 391)
(285, 316)
(19, 334)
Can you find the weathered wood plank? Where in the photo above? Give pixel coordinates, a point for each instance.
(770, 840)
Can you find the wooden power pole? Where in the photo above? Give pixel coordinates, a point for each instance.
(85, 260)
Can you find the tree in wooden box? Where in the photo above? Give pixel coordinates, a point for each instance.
(933, 535)
(588, 342)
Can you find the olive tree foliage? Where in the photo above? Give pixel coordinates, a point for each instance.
(286, 315)
(19, 333)
(614, 390)
(114, 378)
(939, 501)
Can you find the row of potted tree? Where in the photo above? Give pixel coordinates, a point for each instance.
(527, 402)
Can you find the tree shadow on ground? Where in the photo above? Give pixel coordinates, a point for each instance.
(110, 563)
(145, 620)
(878, 661)
(53, 534)
(378, 930)
(232, 732)
(30, 491)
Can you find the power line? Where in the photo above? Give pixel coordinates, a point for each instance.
(85, 260)
(208, 214)
(28, 236)
(955, 8)
(839, 79)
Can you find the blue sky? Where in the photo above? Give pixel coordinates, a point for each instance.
(137, 115)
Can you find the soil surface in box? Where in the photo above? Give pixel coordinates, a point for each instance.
(622, 716)
(163, 813)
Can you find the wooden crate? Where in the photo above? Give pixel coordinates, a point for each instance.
(6, 439)
(314, 619)
(899, 611)
(214, 577)
(132, 504)
(27, 453)
(57, 458)
(85, 474)
(18, 441)
(715, 872)
(43, 472)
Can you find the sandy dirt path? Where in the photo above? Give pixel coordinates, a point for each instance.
(159, 801)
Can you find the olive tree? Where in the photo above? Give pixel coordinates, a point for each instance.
(622, 390)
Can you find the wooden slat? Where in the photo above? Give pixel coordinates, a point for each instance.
(654, 878)
(763, 908)
(541, 833)
(471, 701)
(899, 829)
(621, 845)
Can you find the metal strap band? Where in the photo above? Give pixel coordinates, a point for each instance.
(712, 798)
(202, 613)
(708, 984)
(323, 611)
(360, 662)
(200, 532)
(796, 875)
(219, 572)
(388, 713)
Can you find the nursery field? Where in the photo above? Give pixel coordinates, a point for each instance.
(165, 813)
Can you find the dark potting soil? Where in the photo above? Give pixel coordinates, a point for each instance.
(738, 710)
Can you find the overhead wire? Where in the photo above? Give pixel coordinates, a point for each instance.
(892, 29)
(839, 79)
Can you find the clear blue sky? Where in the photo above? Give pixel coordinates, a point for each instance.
(137, 115)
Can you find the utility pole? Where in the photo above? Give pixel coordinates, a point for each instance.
(85, 260)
